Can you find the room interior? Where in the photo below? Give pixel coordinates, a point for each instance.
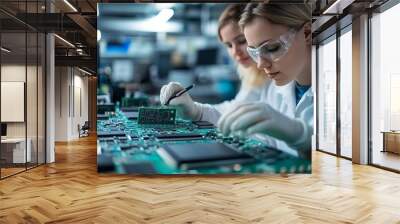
(48, 172)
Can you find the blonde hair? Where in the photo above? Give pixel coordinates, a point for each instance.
(290, 15)
(252, 76)
(231, 14)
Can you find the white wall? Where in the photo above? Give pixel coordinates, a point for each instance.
(17, 73)
(71, 94)
(14, 73)
(79, 112)
(33, 126)
(61, 103)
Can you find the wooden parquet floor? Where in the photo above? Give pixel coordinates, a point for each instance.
(71, 191)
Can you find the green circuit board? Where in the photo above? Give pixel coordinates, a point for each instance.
(128, 145)
(157, 116)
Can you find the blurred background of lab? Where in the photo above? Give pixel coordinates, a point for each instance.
(145, 46)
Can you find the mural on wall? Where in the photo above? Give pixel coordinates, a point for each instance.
(170, 91)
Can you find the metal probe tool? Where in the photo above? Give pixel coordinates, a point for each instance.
(178, 94)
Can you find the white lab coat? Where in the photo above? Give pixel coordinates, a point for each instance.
(212, 113)
(283, 99)
(244, 95)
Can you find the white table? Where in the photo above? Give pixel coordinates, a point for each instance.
(19, 149)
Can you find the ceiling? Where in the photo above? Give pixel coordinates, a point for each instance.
(76, 22)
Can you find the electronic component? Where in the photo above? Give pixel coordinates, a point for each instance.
(203, 124)
(103, 108)
(106, 139)
(179, 137)
(200, 155)
(156, 115)
(131, 115)
(104, 134)
(164, 144)
(129, 109)
(139, 168)
(102, 117)
(105, 163)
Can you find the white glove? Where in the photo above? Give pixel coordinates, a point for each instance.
(187, 108)
(251, 118)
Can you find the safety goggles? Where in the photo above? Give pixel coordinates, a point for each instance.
(273, 50)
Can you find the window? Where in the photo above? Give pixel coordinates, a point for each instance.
(327, 95)
(346, 92)
(385, 86)
(22, 77)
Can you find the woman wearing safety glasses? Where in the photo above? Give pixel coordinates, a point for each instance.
(279, 41)
(253, 80)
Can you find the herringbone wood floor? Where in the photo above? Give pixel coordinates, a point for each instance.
(71, 191)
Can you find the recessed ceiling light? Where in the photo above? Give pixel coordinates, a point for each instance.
(65, 41)
(5, 50)
(70, 5)
(337, 7)
(84, 71)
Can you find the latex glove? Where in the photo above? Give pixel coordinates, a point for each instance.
(251, 118)
(187, 108)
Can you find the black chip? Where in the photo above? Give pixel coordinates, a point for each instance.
(178, 137)
(106, 139)
(125, 147)
(203, 124)
(102, 117)
(103, 134)
(105, 163)
(189, 156)
(103, 108)
(139, 168)
(130, 109)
